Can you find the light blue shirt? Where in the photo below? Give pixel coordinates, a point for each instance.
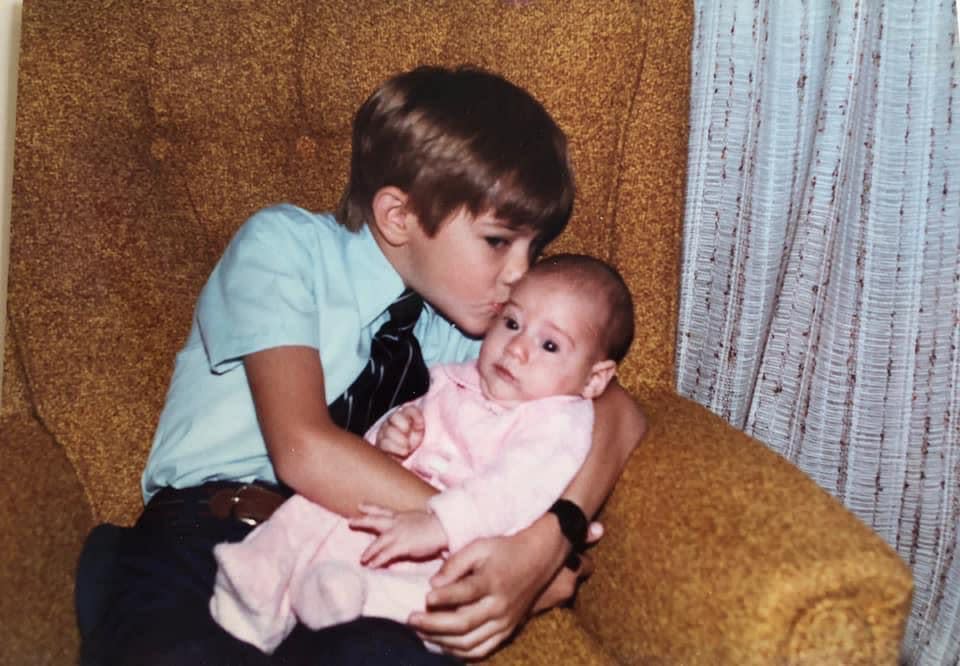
(288, 277)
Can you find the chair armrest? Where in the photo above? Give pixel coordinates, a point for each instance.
(718, 550)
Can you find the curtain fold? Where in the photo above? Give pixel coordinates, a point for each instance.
(820, 295)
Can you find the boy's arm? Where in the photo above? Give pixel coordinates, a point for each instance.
(492, 584)
(309, 452)
(618, 427)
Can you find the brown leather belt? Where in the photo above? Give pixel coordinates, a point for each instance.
(249, 503)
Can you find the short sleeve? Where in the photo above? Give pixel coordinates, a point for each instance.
(262, 293)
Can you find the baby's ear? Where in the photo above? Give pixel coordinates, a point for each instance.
(600, 375)
(392, 215)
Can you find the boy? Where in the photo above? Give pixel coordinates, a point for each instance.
(457, 180)
(501, 437)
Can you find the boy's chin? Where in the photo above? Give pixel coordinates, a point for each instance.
(474, 332)
(472, 323)
(472, 327)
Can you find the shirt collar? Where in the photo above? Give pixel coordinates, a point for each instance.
(376, 283)
(467, 376)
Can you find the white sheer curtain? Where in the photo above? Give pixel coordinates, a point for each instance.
(820, 302)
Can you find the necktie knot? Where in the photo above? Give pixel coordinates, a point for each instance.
(395, 373)
(405, 311)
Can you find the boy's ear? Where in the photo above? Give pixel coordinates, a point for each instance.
(600, 375)
(392, 215)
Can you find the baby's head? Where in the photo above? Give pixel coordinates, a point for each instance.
(567, 324)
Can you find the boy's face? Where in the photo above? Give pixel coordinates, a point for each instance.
(466, 270)
(543, 344)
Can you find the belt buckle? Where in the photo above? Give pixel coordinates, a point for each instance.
(225, 503)
(235, 500)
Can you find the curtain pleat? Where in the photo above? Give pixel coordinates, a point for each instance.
(820, 297)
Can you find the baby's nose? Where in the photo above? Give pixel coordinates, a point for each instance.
(517, 348)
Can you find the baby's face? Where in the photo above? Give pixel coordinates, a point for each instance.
(544, 342)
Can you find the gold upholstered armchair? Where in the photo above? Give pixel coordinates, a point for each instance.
(146, 132)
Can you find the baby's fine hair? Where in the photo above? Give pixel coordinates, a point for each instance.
(601, 283)
(460, 138)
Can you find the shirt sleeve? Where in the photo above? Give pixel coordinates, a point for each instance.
(543, 455)
(262, 293)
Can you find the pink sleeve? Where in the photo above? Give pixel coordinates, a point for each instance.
(543, 455)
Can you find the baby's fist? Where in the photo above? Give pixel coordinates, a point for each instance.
(402, 433)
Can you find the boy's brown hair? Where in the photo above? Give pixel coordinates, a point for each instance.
(454, 138)
(599, 283)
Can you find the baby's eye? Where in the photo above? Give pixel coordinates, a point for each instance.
(511, 323)
(496, 242)
(551, 346)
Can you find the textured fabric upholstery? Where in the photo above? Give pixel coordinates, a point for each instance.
(147, 132)
(737, 557)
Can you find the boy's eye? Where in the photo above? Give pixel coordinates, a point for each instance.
(551, 346)
(495, 242)
(511, 323)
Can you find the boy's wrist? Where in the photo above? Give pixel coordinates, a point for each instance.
(547, 537)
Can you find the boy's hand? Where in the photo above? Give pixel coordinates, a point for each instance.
(564, 585)
(486, 590)
(404, 534)
(402, 433)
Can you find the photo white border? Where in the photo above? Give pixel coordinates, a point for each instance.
(10, 13)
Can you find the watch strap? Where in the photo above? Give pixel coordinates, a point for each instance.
(573, 522)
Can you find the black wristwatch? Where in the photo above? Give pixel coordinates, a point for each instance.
(573, 522)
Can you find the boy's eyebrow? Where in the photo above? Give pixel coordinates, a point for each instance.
(507, 225)
(493, 227)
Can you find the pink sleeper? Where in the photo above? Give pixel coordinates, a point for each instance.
(498, 469)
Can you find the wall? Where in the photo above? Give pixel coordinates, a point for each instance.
(9, 48)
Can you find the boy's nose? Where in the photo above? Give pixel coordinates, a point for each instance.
(517, 264)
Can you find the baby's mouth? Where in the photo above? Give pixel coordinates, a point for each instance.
(503, 373)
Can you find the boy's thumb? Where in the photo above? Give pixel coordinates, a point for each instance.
(594, 532)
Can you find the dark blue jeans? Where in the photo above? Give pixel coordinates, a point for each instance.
(143, 594)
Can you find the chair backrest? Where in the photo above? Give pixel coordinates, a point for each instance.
(147, 132)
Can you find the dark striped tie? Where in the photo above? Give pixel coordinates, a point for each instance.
(395, 373)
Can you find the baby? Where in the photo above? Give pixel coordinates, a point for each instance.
(500, 438)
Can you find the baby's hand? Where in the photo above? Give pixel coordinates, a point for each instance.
(401, 535)
(402, 433)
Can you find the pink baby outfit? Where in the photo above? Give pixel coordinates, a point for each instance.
(498, 468)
